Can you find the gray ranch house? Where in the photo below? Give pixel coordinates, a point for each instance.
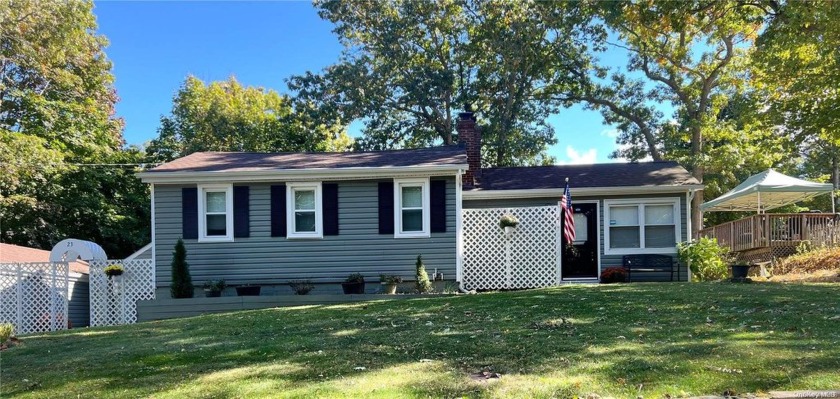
(269, 218)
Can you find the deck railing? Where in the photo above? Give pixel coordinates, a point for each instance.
(776, 229)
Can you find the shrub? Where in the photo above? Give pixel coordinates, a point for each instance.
(821, 259)
(182, 286)
(705, 257)
(615, 274)
(390, 279)
(301, 287)
(6, 331)
(508, 221)
(423, 284)
(113, 270)
(355, 278)
(215, 285)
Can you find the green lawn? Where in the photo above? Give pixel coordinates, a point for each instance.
(616, 340)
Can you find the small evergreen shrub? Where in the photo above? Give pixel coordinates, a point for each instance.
(707, 259)
(615, 274)
(423, 284)
(355, 278)
(301, 287)
(6, 331)
(182, 286)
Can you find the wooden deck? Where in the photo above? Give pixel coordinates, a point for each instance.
(776, 230)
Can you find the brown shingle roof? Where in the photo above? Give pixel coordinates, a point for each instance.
(256, 161)
(17, 254)
(594, 175)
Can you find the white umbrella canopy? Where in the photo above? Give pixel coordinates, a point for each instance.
(765, 191)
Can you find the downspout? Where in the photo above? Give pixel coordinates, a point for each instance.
(689, 197)
(459, 233)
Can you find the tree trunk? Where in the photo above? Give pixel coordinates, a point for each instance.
(698, 172)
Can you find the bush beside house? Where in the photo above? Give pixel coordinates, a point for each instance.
(182, 286)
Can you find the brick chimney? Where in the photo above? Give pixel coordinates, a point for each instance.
(470, 136)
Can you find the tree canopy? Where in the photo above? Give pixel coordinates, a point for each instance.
(226, 116)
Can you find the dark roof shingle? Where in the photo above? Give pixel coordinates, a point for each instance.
(594, 175)
(256, 161)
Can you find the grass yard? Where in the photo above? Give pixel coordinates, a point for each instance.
(613, 340)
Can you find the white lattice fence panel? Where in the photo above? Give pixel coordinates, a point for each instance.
(113, 300)
(527, 258)
(33, 296)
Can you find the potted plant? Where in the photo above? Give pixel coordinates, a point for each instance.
(740, 269)
(354, 284)
(508, 223)
(113, 270)
(301, 287)
(248, 290)
(214, 288)
(390, 283)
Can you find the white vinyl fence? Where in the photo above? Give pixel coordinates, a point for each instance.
(529, 257)
(113, 300)
(33, 296)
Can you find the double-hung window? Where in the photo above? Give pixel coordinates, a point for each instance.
(215, 210)
(411, 213)
(305, 214)
(642, 226)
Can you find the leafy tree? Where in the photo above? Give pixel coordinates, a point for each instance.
(58, 136)
(182, 286)
(408, 67)
(689, 54)
(422, 284)
(226, 116)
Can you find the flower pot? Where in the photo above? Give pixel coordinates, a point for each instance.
(740, 271)
(389, 288)
(213, 293)
(251, 290)
(353, 288)
(509, 230)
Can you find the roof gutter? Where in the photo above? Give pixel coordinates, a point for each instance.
(580, 192)
(297, 174)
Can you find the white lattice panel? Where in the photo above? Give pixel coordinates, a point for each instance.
(527, 258)
(113, 300)
(33, 296)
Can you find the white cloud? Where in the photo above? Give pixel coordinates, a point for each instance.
(611, 133)
(577, 158)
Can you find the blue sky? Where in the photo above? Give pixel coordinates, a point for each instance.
(155, 45)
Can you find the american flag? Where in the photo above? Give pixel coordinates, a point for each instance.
(568, 214)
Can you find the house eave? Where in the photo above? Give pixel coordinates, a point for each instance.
(580, 192)
(298, 174)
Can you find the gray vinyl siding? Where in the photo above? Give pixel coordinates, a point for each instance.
(78, 305)
(262, 259)
(606, 260)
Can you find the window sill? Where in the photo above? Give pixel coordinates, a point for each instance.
(305, 237)
(412, 235)
(640, 251)
(215, 239)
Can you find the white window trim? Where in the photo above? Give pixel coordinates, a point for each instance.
(290, 211)
(640, 203)
(424, 184)
(202, 216)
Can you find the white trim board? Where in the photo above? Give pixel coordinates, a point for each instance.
(579, 192)
(300, 174)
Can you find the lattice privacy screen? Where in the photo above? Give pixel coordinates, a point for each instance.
(113, 300)
(527, 258)
(33, 296)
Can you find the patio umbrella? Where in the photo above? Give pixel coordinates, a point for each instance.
(767, 190)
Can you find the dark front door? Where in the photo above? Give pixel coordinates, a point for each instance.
(580, 259)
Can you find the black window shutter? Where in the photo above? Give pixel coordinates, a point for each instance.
(189, 212)
(386, 207)
(437, 201)
(330, 208)
(278, 210)
(241, 224)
